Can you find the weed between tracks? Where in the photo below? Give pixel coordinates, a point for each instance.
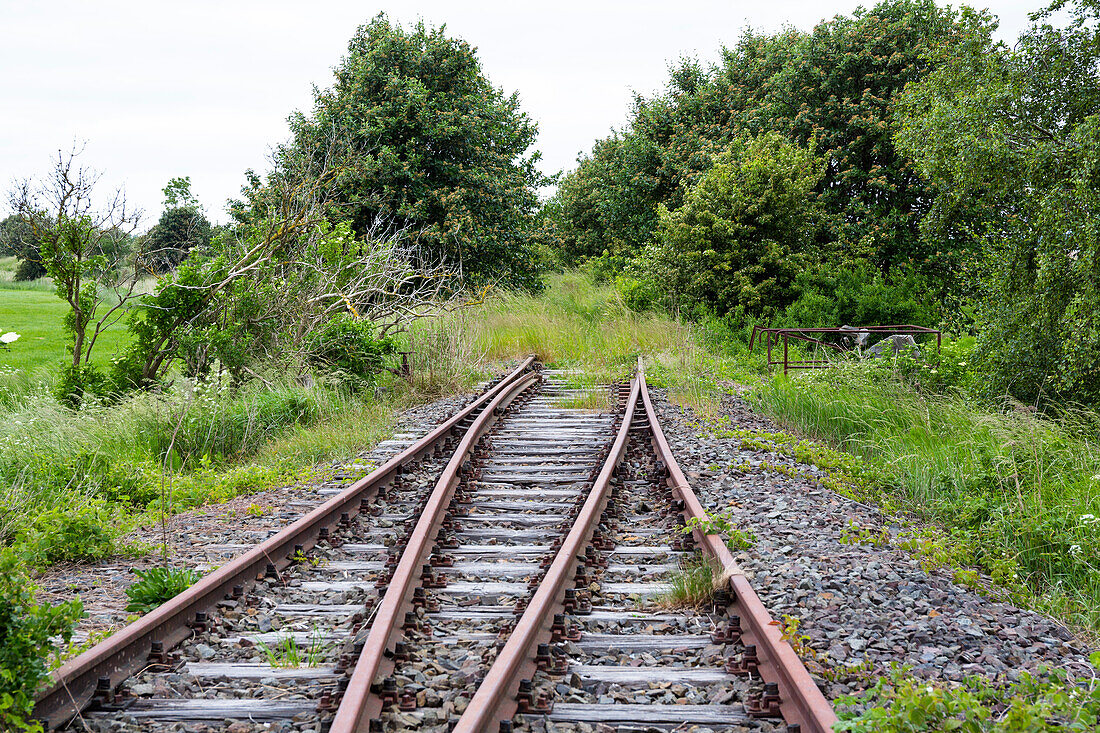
(287, 653)
(692, 586)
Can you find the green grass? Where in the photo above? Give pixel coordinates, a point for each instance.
(691, 586)
(1016, 492)
(37, 316)
(578, 324)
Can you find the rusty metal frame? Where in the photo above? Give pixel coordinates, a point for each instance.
(802, 702)
(359, 704)
(125, 652)
(773, 336)
(495, 697)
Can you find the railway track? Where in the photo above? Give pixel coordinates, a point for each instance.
(503, 573)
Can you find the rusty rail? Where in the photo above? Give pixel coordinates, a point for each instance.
(127, 651)
(802, 702)
(359, 704)
(495, 697)
(813, 336)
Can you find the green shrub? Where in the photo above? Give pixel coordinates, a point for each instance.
(79, 381)
(26, 628)
(349, 345)
(82, 533)
(899, 703)
(158, 585)
(857, 294)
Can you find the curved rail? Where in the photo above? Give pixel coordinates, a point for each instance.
(124, 653)
(359, 705)
(495, 697)
(801, 701)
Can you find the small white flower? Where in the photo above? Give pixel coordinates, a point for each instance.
(1090, 518)
(9, 337)
(1075, 550)
(962, 363)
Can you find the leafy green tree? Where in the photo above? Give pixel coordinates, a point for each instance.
(182, 227)
(431, 146)
(831, 89)
(743, 233)
(17, 239)
(86, 250)
(1017, 132)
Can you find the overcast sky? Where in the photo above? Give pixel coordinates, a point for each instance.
(203, 89)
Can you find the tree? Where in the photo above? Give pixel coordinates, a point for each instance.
(743, 232)
(286, 290)
(182, 227)
(434, 148)
(1016, 133)
(85, 249)
(831, 89)
(17, 239)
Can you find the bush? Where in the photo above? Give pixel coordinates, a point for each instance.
(79, 381)
(158, 585)
(349, 345)
(84, 533)
(25, 632)
(743, 233)
(858, 294)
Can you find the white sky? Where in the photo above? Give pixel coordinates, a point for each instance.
(203, 89)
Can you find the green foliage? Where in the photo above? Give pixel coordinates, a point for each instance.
(1015, 135)
(81, 533)
(168, 243)
(722, 524)
(854, 534)
(17, 238)
(432, 145)
(831, 90)
(742, 234)
(349, 346)
(899, 703)
(77, 382)
(1014, 490)
(26, 628)
(287, 654)
(861, 295)
(157, 586)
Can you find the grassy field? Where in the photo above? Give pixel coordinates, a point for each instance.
(34, 311)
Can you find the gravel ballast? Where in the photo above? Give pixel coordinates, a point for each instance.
(863, 607)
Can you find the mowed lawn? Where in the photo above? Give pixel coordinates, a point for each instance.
(38, 317)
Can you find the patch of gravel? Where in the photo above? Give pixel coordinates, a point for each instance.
(861, 606)
(209, 536)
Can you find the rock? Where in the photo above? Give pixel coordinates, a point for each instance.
(892, 345)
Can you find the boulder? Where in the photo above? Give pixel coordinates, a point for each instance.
(891, 345)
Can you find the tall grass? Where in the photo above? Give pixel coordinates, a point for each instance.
(1019, 487)
(578, 324)
(64, 473)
